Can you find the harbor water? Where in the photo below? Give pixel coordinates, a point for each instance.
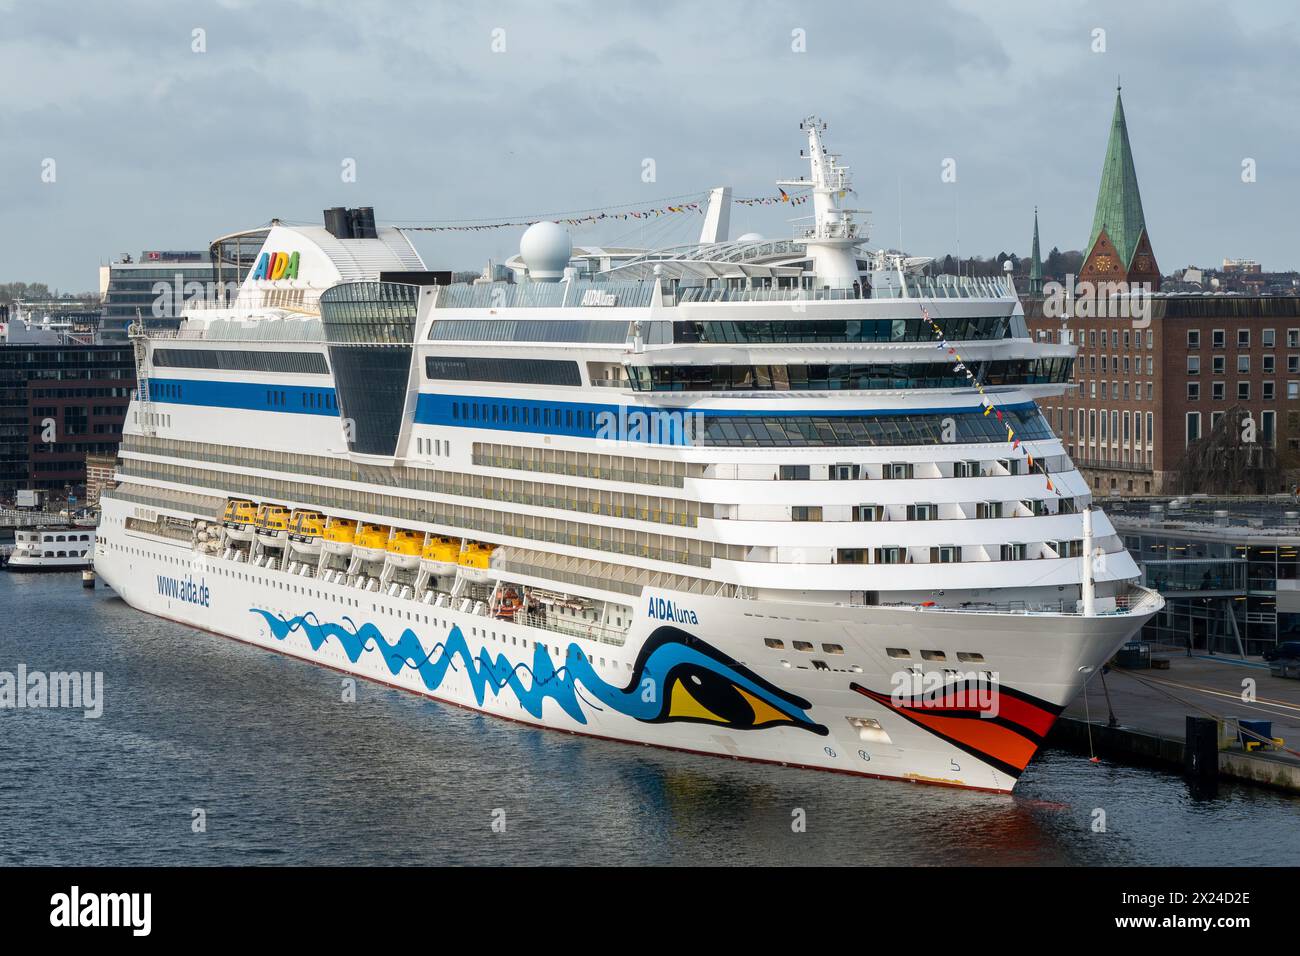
(213, 752)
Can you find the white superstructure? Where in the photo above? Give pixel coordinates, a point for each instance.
(727, 498)
(52, 548)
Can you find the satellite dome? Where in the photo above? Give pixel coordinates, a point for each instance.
(545, 248)
(751, 237)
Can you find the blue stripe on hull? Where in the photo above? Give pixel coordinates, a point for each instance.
(577, 419)
(248, 396)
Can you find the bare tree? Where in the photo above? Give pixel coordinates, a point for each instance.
(1231, 459)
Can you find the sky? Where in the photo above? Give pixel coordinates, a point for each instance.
(156, 136)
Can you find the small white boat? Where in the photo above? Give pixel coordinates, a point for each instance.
(54, 548)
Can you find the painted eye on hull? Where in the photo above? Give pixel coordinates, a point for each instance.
(695, 693)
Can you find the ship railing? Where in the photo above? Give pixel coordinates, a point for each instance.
(1137, 601)
(702, 294)
(592, 632)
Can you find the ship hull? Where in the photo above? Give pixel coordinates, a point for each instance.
(698, 674)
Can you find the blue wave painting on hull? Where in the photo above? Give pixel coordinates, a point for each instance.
(676, 677)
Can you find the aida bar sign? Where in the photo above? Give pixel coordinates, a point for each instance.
(276, 265)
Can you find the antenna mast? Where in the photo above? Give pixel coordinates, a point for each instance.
(833, 237)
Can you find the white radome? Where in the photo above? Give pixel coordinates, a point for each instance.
(545, 248)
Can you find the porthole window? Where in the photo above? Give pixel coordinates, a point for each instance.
(802, 645)
(898, 653)
(933, 656)
(774, 642)
(969, 657)
(833, 648)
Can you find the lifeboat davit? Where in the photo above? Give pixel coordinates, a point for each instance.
(371, 543)
(404, 548)
(238, 519)
(440, 555)
(339, 536)
(272, 524)
(305, 531)
(475, 563)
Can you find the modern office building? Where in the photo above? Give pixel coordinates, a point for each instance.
(59, 403)
(155, 288)
(1229, 569)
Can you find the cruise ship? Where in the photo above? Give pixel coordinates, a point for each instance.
(782, 500)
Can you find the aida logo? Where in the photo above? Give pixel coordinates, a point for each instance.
(276, 265)
(661, 610)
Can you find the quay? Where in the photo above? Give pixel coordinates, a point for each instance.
(1151, 707)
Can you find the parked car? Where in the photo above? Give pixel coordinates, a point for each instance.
(1285, 667)
(1285, 650)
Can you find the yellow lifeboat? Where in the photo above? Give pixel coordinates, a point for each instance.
(339, 536)
(238, 518)
(440, 555)
(305, 531)
(475, 562)
(371, 543)
(272, 524)
(404, 548)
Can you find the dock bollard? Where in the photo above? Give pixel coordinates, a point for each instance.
(1201, 752)
(88, 578)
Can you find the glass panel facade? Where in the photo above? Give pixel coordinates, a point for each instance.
(840, 330)
(895, 375)
(370, 327)
(509, 370)
(312, 363)
(529, 330)
(546, 295)
(373, 313)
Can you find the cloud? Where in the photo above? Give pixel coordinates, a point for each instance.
(159, 146)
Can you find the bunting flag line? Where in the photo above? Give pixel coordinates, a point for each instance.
(990, 407)
(624, 215)
(772, 200)
(653, 212)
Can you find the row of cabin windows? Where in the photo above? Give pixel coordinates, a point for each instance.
(778, 645)
(312, 399)
(899, 470)
(537, 417)
(966, 657)
(930, 511)
(432, 446)
(948, 553)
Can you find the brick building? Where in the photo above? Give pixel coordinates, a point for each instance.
(1144, 394)
(1149, 386)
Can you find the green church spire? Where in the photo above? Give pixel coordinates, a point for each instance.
(1035, 263)
(1119, 204)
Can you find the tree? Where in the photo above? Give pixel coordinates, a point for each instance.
(1231, 459)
